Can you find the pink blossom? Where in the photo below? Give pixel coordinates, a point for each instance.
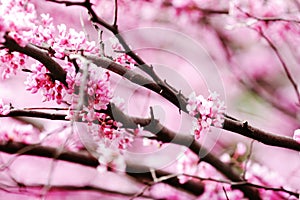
(187, 163)
(209, 112)
(20, 133)
(4, 108)
(296, 136)
(125, 60)
(241, 149)
(111, 159)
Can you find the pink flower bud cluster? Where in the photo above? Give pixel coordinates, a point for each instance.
(208, 111)
(112, 140)
(126, 61)
(40, 79)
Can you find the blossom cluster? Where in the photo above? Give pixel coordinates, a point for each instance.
(208, 112)
(40, 31)
(19, 133)
(111, 141)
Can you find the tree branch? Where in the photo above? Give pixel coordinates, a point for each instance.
(259, 135)
(57, 72)
(178, 100)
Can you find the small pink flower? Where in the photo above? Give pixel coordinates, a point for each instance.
(241, 149)
(4, 108)
(296, 136)
(188, 164)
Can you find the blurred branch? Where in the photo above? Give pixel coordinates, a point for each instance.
(33, 189)
(86, 159)
(274, 48)
(285, 67)
(143, 174)
(204, 11)
(247, 82)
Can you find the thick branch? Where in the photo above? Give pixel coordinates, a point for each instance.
(167, 136)
(259, 135)
(42, 56)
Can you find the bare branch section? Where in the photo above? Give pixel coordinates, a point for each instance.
(261, 136)
(116, 14)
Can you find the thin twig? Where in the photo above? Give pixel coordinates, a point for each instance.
(116, 14)
(225, 193)
(281, 60)
(248, 159)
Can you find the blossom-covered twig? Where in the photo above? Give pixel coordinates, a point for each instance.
(164, 88)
